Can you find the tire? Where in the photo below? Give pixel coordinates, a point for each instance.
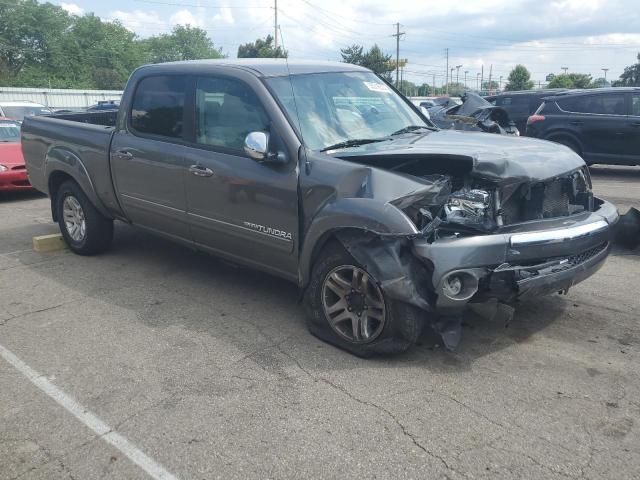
(85, 229)
(398, 330)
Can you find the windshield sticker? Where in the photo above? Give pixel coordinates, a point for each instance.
(377, 87)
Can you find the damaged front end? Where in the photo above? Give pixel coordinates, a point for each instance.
(474, 114)
(478, 241)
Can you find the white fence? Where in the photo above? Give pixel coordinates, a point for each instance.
(58, 98)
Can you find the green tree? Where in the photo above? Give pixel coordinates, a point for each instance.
(519, 79)
(183, 43)
(425, 90)
(352, 54)
(374, 59)
(455, 89)
(31, 37)
(600, 82)
(571, 80)
(261, 49)
(631, 76)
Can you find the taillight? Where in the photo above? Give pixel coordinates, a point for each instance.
(534, 119)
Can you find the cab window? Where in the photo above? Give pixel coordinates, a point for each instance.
(226, 111)
(158, 106)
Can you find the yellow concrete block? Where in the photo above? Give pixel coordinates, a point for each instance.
(49, 243)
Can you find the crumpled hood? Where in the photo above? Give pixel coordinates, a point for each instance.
(499, 158)
(11, 154)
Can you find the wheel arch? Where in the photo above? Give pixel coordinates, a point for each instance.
(555, 135)
(359, 214)
(61, 165)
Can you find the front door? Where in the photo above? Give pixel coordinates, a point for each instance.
(147, 157)
(604, 126)
(237, 206)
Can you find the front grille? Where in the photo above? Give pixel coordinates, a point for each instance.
(586, 255)
(557, 198)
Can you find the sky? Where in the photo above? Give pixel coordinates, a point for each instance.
(545, 35)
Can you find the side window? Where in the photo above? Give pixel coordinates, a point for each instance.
(606, 104)
(158, 106)
(505, 101)
(226, 111)
(635, 104)
(573, 104)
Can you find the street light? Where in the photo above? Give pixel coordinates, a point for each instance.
(458, 73)
(452, 69)
(500, 83)
(565, 69)
(478, 81)
(465, 79)
(605, 70)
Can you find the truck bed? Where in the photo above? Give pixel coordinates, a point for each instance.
(76, 143)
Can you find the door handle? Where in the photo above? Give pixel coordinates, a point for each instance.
(576, 122)
(124, 154)
(200, 171)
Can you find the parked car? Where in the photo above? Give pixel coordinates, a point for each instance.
(602, 125)
(18, 110)
(474, 114)
(13, 173)
(521, 104)
(322, 174)
(104, 105)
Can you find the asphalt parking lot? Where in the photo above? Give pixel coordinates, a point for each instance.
(207, 371)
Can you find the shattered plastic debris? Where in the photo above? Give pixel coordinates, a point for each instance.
(450, 329)
(628, 229)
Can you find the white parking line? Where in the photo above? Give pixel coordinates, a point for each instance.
(154, 469)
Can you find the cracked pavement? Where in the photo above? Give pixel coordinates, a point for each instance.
(208, 369)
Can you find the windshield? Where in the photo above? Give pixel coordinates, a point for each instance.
(9, 131)
(331, 108)
(18, 113)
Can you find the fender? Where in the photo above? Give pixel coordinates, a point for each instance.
(351, 213)
(60, 159)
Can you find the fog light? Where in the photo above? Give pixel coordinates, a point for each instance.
(453, 285)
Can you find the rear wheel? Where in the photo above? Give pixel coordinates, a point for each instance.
(84, 228)
(347, 308)
(567, 142)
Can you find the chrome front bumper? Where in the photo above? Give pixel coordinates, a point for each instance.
(525, 260)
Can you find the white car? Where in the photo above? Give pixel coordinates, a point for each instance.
(18, 110)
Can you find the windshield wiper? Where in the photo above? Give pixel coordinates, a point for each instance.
(411, 128)
(354, 142)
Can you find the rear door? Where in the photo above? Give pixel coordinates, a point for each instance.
(632, 141)
(147, 156)
(599, 120)
(605, 126)
(237, 206)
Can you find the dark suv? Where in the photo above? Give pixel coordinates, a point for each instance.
(602, 125)
(519, 105)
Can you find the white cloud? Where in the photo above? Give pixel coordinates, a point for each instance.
(144, 23)
(72, 8)
(185, 17)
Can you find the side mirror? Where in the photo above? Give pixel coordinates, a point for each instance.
(256, 145)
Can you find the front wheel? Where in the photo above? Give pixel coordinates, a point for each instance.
(84, 228)
(347, 308)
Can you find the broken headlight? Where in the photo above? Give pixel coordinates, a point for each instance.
(470, 207)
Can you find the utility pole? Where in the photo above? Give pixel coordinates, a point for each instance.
(478, 81)
(465, 79)
(452, 69)
(490, 72)
(275, 22)
(605, 70)
(565, 69)
(481, 77)
(446, 73)
(398, 34)
(458, 73)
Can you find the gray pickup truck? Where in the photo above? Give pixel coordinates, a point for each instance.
(323, 174)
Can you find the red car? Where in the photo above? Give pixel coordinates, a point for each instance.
(13, 173)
